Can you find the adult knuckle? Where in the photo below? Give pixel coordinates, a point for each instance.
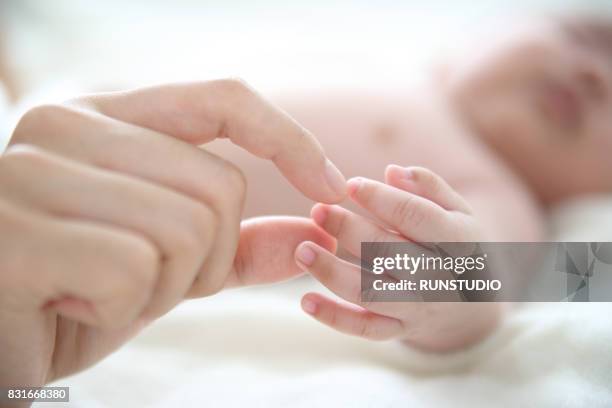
(142, 262)
(235, 87)
(192, 238)
(228, 190)
(185, 244)
(203, 223)
(18, 156)
(40, 114)
(235, 180)
(19, 164)
(38, 121)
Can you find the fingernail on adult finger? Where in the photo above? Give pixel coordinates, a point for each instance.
(335, 179)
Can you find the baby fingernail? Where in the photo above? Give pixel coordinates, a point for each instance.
(403, 176)
(405, 173)
(306, 255)
(319, 215)
(309, 306)
(335, 179)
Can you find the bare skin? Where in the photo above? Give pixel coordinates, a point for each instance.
(111, 216)
(519, 125)
(482, 176)
(382, 129)
(366, 132)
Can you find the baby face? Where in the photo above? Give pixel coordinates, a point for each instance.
(542, 98)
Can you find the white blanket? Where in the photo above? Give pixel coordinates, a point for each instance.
(255, 347)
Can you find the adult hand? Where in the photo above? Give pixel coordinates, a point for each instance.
(111, 215)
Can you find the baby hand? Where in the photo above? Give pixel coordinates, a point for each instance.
(415, 205)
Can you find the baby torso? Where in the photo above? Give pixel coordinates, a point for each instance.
(363, 132)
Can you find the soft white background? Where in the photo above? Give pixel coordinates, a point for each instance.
(270, 43)
(62, 47)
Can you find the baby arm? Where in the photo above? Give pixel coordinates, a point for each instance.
(413, 205)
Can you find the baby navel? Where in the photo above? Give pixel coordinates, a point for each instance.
(384, 135)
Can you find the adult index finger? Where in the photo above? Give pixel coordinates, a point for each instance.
(202, 111)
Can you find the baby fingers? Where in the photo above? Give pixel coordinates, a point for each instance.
(350, 229)
(341, 277)
(351, 319)
(415, 217)
(427, 184)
